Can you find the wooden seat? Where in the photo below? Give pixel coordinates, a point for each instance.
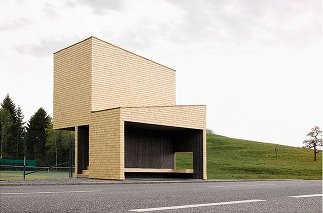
(153, 170)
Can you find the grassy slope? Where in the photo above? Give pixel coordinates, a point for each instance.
(234, 158)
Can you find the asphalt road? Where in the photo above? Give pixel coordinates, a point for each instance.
(245, 196)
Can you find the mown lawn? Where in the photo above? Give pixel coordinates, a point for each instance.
(229, 158)
(19, 175)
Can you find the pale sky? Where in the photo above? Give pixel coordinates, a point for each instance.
(255, 64)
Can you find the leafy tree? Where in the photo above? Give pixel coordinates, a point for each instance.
(57, 146)
(276, 150)
(315, 139)
(6, 123)
(51, 149)
(37, 132)
(209, 131)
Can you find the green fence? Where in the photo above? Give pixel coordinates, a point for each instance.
(14, 163)
(13, 169)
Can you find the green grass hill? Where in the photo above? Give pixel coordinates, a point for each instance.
(229, 158)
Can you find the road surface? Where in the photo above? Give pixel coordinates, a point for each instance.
(243, 196)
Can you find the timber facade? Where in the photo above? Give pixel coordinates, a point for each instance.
(123, 110)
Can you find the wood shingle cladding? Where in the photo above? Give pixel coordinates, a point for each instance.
(124, 107)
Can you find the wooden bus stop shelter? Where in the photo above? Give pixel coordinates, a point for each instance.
(123, 110)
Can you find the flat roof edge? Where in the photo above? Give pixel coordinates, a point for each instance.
(197, 105)
(171, 126)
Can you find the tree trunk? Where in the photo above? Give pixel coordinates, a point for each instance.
(314, 152)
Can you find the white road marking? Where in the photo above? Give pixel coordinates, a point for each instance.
(314, 195)
(194, 206)
(30, 193)
(236, 186)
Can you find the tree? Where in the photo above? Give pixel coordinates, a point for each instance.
(6, 123)
(19, 132)
(8, 104)
(37, 132)
(57, 145)
(13, 142)
(209, 131)
(276, 150)
(315, 139)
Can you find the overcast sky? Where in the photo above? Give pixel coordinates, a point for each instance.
(255, 64)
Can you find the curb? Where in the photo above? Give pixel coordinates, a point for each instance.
(85, 181)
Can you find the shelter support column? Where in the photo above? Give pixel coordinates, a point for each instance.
(76, 152)
(198, 162)
(204, 156)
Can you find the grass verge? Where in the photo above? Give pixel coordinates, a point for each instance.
(229, 158)
(19, 175)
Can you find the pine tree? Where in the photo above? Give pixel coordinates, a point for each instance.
(19, 130)
(9, 145)
(6, 123)
(8, 104)
(36, 137)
